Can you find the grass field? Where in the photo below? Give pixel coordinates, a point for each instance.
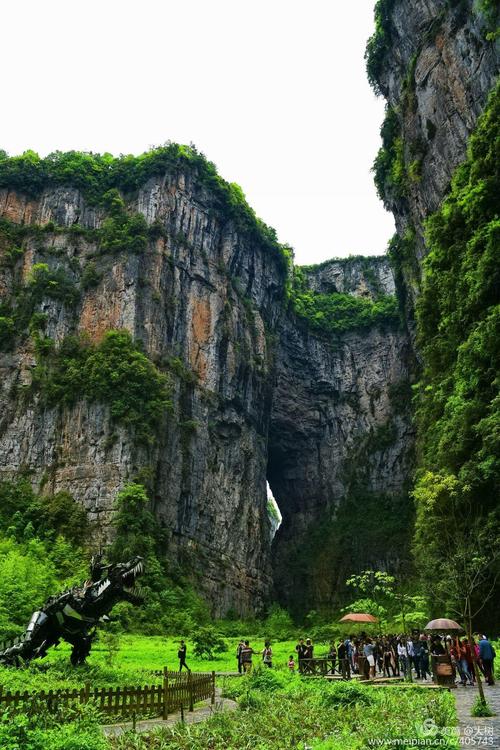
(137, 657)
(135, 660)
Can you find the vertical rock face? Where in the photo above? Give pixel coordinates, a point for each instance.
(202, 300)
(340, 445)
(254, 392)
(436, 74)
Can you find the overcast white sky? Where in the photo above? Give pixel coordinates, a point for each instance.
(273, 91)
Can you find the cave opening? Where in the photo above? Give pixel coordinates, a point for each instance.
(273, 512)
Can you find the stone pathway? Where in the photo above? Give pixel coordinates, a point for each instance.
(201, 712)
(478, 732)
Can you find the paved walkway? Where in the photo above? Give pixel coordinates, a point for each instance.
(201, 712)
(478, 732)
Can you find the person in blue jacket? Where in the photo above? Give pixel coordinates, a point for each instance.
(487, 655)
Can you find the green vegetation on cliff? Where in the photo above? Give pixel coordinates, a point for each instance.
(114, 372)
(97, 174)
(379, 43)
(458, 315)
(335, 313)
(389, 166)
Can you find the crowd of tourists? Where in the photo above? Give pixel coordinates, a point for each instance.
(385, 656)
(399, 655)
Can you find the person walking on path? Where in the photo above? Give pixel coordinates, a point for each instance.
(417, 656)
(410, 648)
(181, 655)
(267, 655)
(388, 659)
(465, 658)
(487, 655)
(239, 649)
(246, 656)
(456, 663)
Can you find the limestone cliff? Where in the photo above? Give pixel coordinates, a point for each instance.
(203, 300)
(255, 391)
(435, 62)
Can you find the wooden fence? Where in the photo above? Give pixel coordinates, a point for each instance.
(177, 690)
(325, 666)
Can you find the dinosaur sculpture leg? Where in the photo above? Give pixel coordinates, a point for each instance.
(82, 644)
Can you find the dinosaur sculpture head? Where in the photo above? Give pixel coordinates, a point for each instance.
(118, 582)
(124, 576)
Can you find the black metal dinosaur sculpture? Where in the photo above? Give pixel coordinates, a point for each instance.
(74, 615)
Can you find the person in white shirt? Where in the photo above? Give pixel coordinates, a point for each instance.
(403, 656)
(410, 648)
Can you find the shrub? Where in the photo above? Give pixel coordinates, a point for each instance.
(379, 43)
(480, 708)
(90, 276)
(122, 231)
(114, 372)
(345, 694)
(389, 165)
(207, 642)
(265, 680)
(279, 624)
(134, 524)
(46, 282)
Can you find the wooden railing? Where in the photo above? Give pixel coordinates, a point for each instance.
(325, 666)
(177, 690)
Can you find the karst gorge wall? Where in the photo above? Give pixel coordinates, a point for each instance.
(247, 380)
(266, 374)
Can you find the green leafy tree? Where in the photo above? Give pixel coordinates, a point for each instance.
(377, 593)
(27, 578)
(134, 524)
(208, 642)
(279, 624)
(114, 372)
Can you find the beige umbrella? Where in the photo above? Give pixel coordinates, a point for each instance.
(444, 625)
(358, 617)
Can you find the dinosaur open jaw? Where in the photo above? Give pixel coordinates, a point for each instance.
(129, 581)
(134, 572)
